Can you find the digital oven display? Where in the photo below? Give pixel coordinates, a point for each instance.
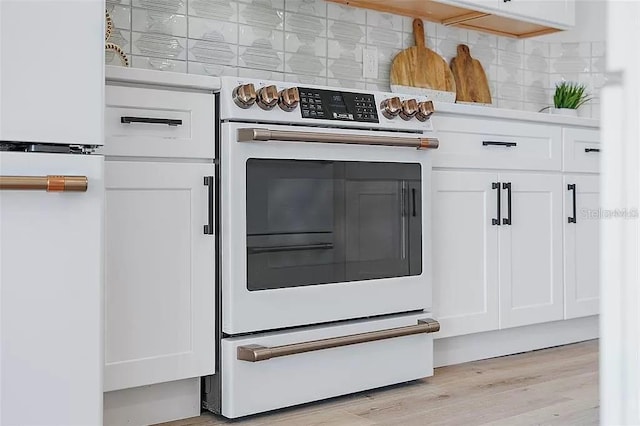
(332, 105)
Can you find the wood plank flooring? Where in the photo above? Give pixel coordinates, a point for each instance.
(557, 386)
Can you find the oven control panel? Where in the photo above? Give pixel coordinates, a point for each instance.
(335, 105)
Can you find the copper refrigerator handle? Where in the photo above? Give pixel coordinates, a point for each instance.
(255, 134)
(49, 183)
(254, 353)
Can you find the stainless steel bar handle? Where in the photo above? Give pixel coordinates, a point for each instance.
(50, 183)
(255, 353)
(254, 135)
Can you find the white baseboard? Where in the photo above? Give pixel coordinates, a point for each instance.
(152, 404)
(473, 347)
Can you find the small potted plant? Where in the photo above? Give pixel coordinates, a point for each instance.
(568, 98)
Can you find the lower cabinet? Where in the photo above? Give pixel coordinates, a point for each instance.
(159, 290)
(531, 249)
(465, 252)
(581, 244)
(497, 250)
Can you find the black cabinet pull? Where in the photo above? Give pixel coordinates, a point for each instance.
(498, 143)
(592, 150)
(496, 185)
(413, 202)
(208, 228)
(149, 120)
(572, 187)
(507, 220)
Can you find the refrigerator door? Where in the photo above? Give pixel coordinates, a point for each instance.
(51, 269)
(52, 79)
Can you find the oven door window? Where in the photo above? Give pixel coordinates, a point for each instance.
(322, 222)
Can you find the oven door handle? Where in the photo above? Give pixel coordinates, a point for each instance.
(255, 353)
(264, 135)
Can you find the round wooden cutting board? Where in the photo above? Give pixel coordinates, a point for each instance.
(421, 67)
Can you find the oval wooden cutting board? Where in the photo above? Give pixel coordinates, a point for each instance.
(471, 80)
(419, 66)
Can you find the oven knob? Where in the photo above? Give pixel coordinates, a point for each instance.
(267, 97)
(391, 107)
(244, 95)
(409, 109)
(288, 99)
(425, 109)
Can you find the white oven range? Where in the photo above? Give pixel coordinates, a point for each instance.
(323, 237)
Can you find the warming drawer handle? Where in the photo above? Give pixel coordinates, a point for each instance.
(255, 353)
(149, 120)
(265, 135)
(50, 183)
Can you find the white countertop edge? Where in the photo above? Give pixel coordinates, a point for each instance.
(513, 114)
(161, 78)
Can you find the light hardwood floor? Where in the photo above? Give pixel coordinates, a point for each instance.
(557, 386)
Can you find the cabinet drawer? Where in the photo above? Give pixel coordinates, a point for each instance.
(145, 122)
(251, 387)
(581, 150)
(494, 144)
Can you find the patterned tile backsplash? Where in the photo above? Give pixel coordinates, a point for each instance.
(316, 42)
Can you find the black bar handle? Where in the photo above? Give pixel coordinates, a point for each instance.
(592, 150)
(572, 187)
(413, 202)
(498, 143)
(507, 220)
(496, 185)
(208, 228)
(149, 120)
(299, 247)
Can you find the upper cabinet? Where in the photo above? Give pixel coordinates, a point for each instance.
(511, 18)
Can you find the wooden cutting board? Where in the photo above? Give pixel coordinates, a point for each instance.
(419, 66)
(471, 81)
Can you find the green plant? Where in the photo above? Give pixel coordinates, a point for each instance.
(570, 95)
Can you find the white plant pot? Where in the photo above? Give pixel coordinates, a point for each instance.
(564, 111)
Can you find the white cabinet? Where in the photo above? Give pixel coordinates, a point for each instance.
(556, 12)
(489, 273)
(581, 150)
(581, 245)
(531, 250)
(160, 271)
(465, 252)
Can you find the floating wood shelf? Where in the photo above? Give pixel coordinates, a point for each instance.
(457, 16)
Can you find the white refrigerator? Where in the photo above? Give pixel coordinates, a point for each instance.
(51, 212)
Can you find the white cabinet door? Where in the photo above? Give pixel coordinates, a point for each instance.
(159, 296)
(465, 252)
(581, 245)
(558, 12)
(531, 250)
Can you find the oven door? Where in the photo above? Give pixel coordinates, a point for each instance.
(319, 232)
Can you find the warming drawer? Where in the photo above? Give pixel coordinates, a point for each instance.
(289, 377)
